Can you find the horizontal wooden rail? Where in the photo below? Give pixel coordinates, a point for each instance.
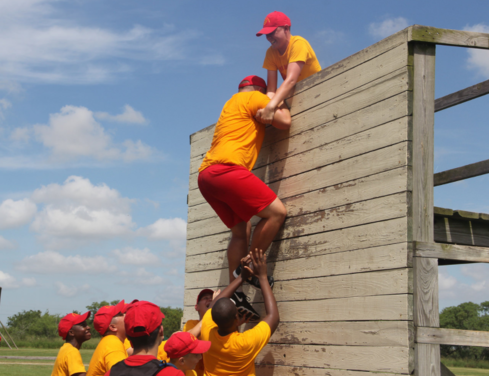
(455, 337)
(462, 96)
(461, 173)
(457, 38)
(451, 252)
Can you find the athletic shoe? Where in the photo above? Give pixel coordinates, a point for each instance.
(254, 281)
(244, 307)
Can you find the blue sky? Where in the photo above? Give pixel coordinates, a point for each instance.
(97, 102)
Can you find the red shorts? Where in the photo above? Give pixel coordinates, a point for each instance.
(234, 193)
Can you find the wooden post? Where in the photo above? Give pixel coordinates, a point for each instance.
(425, 269)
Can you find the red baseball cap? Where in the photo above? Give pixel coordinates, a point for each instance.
(183, 343)
(67, 322)
(272, 21)
(142, 318)
(252, 80)
(105, 314)
(202, 293)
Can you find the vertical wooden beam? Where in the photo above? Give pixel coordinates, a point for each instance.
(425, 270)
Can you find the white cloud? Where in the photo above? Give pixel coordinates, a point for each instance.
(6, 244)
(4, 104)
(170, 295)
(142, 277)
(29, 282)
(9, 282)
(165, 229)
(78, 212)
(133, 256)
(51, 262)
(74, 133)
(10, 87)
(20, 134)
(472, 286)
(478, 60)
(330, 36)
(446, 281)
(16, 213)
(130, 115)
(70, 291)
(387, 27)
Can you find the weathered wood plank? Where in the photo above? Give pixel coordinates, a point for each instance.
(203, 133)
(302, 286)
(451, 252)
(269, 369)
(460, 231)
(455, 337)
(460, 173)
(427, 360)
(457, 38)
(385, 359)
(426, 292)
(462, 96)
(360, 75)
(372, 163)
(379, 113)
(383, 307)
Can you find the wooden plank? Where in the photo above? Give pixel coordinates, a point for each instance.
(462, 96)
(386, 232)
(270, 369)
(461, 173)
(451, 252)
(383, 184)
(372, 163)
(460, 231)
(350, 333)
(383, 307)
(300, 287)
(384, 359)
(203, 133)
(379, 113)
(426, 292)
(427, 360)
(457, 38)
(455, 337)
(360, 75)
(391, 85)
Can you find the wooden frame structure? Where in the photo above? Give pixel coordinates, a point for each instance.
(356, 263)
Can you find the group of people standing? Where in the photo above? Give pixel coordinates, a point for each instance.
(133, 335)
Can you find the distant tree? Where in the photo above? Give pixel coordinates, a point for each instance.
(34, 323)
(466, 316)
(171, 322)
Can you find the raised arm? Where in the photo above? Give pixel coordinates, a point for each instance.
(231, 288)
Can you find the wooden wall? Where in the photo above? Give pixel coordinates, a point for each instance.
(343, 261)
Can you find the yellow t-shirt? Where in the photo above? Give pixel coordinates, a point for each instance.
(162, 353)
(199, 368)
(238, 136)
(68, 361)
(235, 353)
(109, 351)
(298, 49)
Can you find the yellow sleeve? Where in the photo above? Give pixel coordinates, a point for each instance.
(269, 63)
(299, 51)
(207, 325)
(75, 363)
(256, 338)
(257, 101)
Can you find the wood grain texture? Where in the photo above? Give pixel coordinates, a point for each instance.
(385, 359)
(461, 173)
(426, 292)
(427, 360)
(455, 337)
(462, 96)
(448, 37)
(275, 370)
(451, 252)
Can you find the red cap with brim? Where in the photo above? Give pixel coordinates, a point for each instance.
(105, 314)
(202, 293)
(67, 322)
(272, 21)
(142, 318)
(183, 343)
(252, 80)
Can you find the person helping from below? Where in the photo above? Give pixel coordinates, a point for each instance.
(292, 55)
(231, 352)
(226, 182)
(74, 329)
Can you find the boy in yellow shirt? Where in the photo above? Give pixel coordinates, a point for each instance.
(74, 329)
(233, 353)
(292, 55)
(109, 322)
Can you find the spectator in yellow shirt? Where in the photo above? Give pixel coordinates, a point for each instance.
(74, 329)
(109, 322)
(292, 55)
(231, 352)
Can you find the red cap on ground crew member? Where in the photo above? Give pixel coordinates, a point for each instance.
(67, 322)
(253, 80)
(202, 293)
(105, 314)
(142, 318)
(183, 343)
(272, 21)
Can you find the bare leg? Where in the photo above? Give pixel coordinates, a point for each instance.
(238, 246)
(273, 216)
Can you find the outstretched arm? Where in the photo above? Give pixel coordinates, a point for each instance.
(231, 288)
